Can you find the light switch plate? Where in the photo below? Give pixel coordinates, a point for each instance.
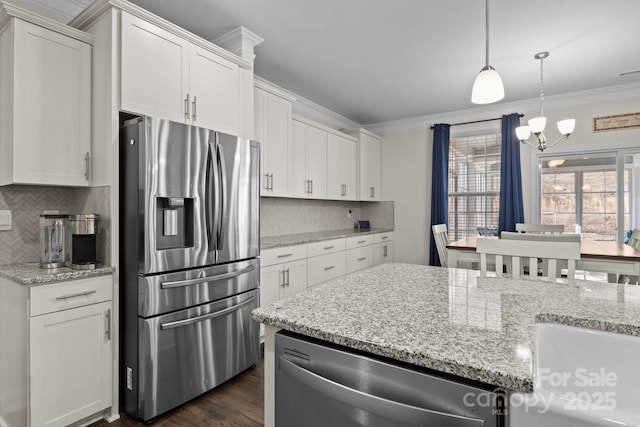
(5, 220)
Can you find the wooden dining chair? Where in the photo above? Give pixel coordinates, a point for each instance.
(441, 236)
(529, 251)
(540, 228)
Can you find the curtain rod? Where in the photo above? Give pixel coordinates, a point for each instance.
(480, 121)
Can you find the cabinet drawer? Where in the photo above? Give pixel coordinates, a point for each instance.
(326, 247)
(326, 267)
(358, 241)
(284, 254)
(359, 258)
(383, 237)
(71, 294)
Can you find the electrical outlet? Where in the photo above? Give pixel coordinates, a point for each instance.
(349, 213)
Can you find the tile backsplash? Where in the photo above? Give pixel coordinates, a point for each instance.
(280, 216)
(26, 203)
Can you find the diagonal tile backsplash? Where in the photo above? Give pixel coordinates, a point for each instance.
(26, 203)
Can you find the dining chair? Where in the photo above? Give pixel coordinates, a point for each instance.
(529, 251)
(540, 228)
(441, 236)
(545, 237)
(634, 242)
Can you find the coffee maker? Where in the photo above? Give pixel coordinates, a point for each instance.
(53, 246)
(83, 234)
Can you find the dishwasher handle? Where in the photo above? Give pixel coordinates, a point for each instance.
(377, 405)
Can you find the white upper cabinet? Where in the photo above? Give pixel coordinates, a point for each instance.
(272, 128)
(45, 105)
(308, 161)
(341, 167)
(368, 165)
(163, 75)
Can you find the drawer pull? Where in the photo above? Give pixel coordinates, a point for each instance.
(189, 282)
(331, 267)
(190, 321)
(362, 258)
(284, 255)
(384, 237)
(362, 241)
(326, 248)
(79, 294)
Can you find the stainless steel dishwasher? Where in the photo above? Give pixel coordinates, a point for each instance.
(319, 384)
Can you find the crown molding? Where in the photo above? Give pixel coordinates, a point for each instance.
(99, 7)
(9, 11)
(239, 41)
(264, 84)
(624, 92)
(65, 8)
(325, 128)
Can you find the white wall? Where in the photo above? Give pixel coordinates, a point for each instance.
(406, 162)
(406, 172)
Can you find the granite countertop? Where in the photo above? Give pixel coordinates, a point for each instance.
(301, 238)
(30, 273)
(452, 320)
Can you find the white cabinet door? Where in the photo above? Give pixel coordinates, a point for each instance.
(270, 283)
(317, 162)
(359, 258)
(341, 168)
(369, 161)
(295, 278)
(70, 358)
(48, 130)
(273, 130)
(308, 161)
(326, 267)
(282, 280)
(213, 91)
(382, 253)
(154, 70)
(299, 181)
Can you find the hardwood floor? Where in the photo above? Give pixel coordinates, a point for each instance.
(236, 403)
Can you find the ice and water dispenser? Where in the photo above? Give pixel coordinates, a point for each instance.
(174, 222)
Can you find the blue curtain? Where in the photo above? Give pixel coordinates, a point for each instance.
(439, 185)
(511, 209)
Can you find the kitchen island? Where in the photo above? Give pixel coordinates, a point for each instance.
(447, 320)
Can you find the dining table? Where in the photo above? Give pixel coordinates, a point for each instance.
(606, 256)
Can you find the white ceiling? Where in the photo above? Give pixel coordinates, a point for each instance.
(379, 60)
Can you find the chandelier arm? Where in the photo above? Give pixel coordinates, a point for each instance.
(558, 140)
(526, 141)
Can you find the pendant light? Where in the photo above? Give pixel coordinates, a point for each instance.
(488, 86)
(537, 124)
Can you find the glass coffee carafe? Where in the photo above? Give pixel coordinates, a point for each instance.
(52, 241)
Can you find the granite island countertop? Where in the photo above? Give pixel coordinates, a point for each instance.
(30, 273)
(452, 320)
(271, 242)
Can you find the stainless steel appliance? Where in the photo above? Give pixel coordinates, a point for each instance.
(52, 241)
(189, 241)
(83, 233)
(319, 384)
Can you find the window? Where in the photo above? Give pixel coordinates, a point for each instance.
(474, 184)
(581, 192)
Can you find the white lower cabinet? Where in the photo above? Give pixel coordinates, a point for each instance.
(326, 267)
(70, 361)
(383, 248)
(359, 258)
(282, 280)
(57, 353)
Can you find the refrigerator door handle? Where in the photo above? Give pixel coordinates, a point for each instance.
(371, 403)
(209, 201)
(222, 193)
(189, 282)
(185, 322)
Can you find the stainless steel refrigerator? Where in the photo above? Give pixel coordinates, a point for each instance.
(189, 272)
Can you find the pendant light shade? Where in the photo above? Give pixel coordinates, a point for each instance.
(488, 86)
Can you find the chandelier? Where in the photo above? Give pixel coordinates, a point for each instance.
(537, 124)
(487, 87)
